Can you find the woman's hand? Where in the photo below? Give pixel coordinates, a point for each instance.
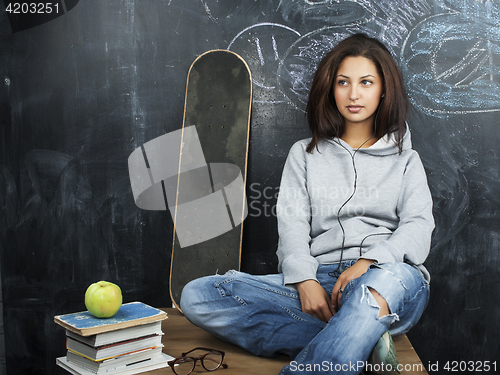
(315, 300)
(356, 270)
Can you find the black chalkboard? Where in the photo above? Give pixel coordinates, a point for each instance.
(81, 91)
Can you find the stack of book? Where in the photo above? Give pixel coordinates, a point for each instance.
(127, 343)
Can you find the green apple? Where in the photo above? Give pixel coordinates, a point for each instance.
(103, 299)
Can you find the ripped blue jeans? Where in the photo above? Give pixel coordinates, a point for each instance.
(263, 316)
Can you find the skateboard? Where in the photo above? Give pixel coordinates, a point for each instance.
(209, 189)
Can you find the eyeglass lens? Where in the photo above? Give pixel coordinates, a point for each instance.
(212, 361)
(184, 366)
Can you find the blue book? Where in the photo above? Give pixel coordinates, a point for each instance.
(130, 314)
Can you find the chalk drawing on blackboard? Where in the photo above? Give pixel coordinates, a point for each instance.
(314, 14)
(451, 63)
(470, 7)
(296, 69)
(232, 13)
(387, 21)
(262, 46)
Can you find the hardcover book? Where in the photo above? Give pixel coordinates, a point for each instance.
(113, 350)
(136, 368)
(130, 314)
(101, 367)
(123, 334)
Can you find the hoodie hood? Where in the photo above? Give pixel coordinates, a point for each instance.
(387, 145)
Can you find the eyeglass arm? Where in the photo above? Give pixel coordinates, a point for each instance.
(206, 349)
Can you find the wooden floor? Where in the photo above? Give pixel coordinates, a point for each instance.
(182, 336)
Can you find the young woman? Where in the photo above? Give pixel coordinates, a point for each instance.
(354, 220)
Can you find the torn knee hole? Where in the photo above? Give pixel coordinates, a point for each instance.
(384, 307)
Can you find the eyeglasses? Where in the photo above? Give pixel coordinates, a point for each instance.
(210, 361)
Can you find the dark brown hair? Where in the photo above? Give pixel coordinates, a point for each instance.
(325, 120)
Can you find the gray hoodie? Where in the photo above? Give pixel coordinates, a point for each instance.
(387, 219)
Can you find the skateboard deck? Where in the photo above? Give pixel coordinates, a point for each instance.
(210, 202)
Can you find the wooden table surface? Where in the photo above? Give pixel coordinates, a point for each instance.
(181, 336)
